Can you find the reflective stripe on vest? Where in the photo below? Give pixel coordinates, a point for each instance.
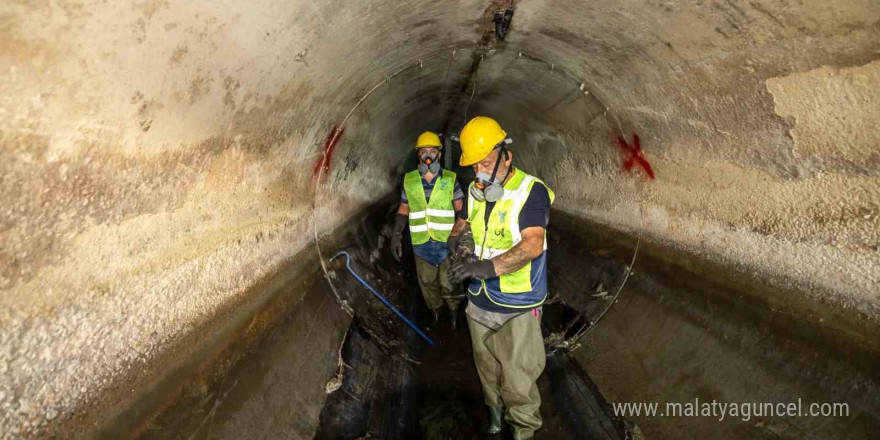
(499, 236)
(430, 218)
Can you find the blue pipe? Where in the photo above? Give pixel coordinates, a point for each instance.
(381, 298)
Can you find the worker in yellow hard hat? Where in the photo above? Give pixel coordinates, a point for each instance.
(507, 213)
(430, 201)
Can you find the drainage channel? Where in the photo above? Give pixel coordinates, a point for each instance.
(437, 395)
(674, 334)
(383, 380)
(416, 391)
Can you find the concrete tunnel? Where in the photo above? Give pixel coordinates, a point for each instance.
(177, 175)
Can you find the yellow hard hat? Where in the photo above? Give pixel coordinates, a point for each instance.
(428, 139)
(478, 138)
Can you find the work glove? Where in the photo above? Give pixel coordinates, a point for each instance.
(397, 236)
(461, 247)
(397, 246)
(478, 270)
(452, 243)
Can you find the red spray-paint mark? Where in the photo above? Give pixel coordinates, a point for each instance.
(324, 161)
(633, 155)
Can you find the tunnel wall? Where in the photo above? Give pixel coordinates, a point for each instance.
(757, 120)
(161, 158)
(158, 162)
(673, 335)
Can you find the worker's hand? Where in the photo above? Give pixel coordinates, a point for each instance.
(461, 247)
(452, 243)
(397, 246)
(479, 270)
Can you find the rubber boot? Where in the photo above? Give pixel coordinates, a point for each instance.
(518, 436)
(453, 321)
(496, 415)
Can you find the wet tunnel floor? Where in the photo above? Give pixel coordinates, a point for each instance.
(389, 385)
(672, 336)
(413, 390)
(451, 399)
(451, 403)
(450, 387)
(445, 398)
(434, 392)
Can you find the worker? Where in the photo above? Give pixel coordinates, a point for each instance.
(429, 202)
(508, 212)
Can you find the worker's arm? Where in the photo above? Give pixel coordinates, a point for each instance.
(460, 223)
(533, 220)
(531, 247)
(457, 205)
(400, 221)
(458, 228)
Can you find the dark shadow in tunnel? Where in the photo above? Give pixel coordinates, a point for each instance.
(433, 392)
(579, 405)
(675, 334)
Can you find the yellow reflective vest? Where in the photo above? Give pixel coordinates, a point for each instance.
(430, 218)
(524, 288)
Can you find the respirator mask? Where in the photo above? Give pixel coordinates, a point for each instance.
(429, 164)
(488, 188)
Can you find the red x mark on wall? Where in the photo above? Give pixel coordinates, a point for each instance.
(632, 155)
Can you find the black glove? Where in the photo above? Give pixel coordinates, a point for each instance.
(479, 270)
(397, 246)
(397, 236)
(461, 246)
(452, 243)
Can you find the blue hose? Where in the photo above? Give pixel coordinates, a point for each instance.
(381, 298)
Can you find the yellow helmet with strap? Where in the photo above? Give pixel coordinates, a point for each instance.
(429, 139)
(478, 138)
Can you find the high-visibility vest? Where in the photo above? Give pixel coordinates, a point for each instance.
(430, 218)
(520, 289)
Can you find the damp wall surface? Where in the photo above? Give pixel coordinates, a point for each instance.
(675, 333)
(160, 159)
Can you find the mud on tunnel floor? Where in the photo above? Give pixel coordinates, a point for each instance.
(384, 382)
(389, 383)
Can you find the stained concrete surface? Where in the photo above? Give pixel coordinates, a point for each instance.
(674, 333)
(382, 381)
(678, 333)
(274, 385)
(157, 156)
(274, 392)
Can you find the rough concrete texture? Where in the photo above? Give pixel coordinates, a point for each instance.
(157, 156)
(278, 393)
(670, 337)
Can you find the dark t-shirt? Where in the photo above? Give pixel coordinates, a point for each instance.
(535, 212)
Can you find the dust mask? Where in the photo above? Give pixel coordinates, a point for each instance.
(489, 188)
(429, 164)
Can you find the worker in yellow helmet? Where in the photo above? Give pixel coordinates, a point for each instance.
(430, 201)
(507, 213)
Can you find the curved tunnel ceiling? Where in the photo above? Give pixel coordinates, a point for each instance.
(158, 156)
